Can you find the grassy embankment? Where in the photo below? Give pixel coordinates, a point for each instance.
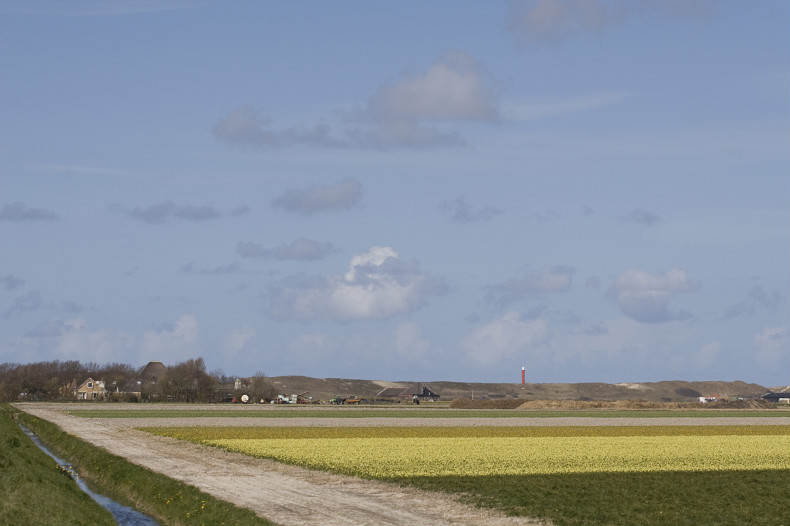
(707, 490)
(168, 501)
(34, 488)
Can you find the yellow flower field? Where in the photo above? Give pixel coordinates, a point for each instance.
(415, 452)
(401, 457)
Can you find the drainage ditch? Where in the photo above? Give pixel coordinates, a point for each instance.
(124, 515)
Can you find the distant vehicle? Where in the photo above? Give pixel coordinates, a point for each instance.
(353, 400)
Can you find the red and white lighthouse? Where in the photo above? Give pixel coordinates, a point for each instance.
(523, 378)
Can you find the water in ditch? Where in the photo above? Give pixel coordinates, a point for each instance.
(124, 515)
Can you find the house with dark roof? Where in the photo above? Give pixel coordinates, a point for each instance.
(419, 390)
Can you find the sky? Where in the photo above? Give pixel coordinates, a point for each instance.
(594, 190)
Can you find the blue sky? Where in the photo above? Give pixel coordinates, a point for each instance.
(598, 191)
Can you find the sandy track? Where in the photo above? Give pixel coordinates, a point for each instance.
(287, 495)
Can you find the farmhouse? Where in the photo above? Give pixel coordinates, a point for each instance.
(90, 389)
(420, 390)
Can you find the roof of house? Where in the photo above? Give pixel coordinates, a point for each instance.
(775, 396)
(418, 389)
(153, 371)
(390, 391)
(98, 384)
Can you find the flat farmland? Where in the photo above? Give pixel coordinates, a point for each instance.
(310, 465)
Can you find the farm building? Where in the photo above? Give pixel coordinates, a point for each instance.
(420, 390)
(153, 372)
(776, 397)
(90, 389)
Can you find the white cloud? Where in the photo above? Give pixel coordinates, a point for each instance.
(172, 342)
(247, 129)
(403, 114)
(504, 338)
(773, 348)
(342, 195)
(237, 338)
(645, 297)
(548, 279)
(378, 285)
(453, 88)
(79, 342)
(409, 344)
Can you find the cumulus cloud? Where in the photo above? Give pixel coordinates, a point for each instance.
(342, 195)
(237, 339)
(548, 279)
(504, 338)
(247, 129)
(773, 348)
(378, 285)
(408, 113)
(76, 338)
(17, 212)
(642, 217)
(163, 212)
(462, 212)
(758, 300)
(545, 21)
(172, 341)
(300, 249)
(645, 297)
(405, 113)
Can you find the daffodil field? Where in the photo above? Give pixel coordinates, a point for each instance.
(565, 475)
(392, 452)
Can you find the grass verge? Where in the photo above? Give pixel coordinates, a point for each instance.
(711, 498)
(167, 500)
(34, 488)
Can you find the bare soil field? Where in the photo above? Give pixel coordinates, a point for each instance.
(290, 495)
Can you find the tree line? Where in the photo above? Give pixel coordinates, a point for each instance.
(186, 381)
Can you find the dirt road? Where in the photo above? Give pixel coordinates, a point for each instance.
(286, 495)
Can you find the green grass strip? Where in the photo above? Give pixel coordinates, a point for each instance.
(199, 434)
(169, 501)
(298, 412)
(34, 488)
(711, 498)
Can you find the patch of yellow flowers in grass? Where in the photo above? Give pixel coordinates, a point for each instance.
(465, 451)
